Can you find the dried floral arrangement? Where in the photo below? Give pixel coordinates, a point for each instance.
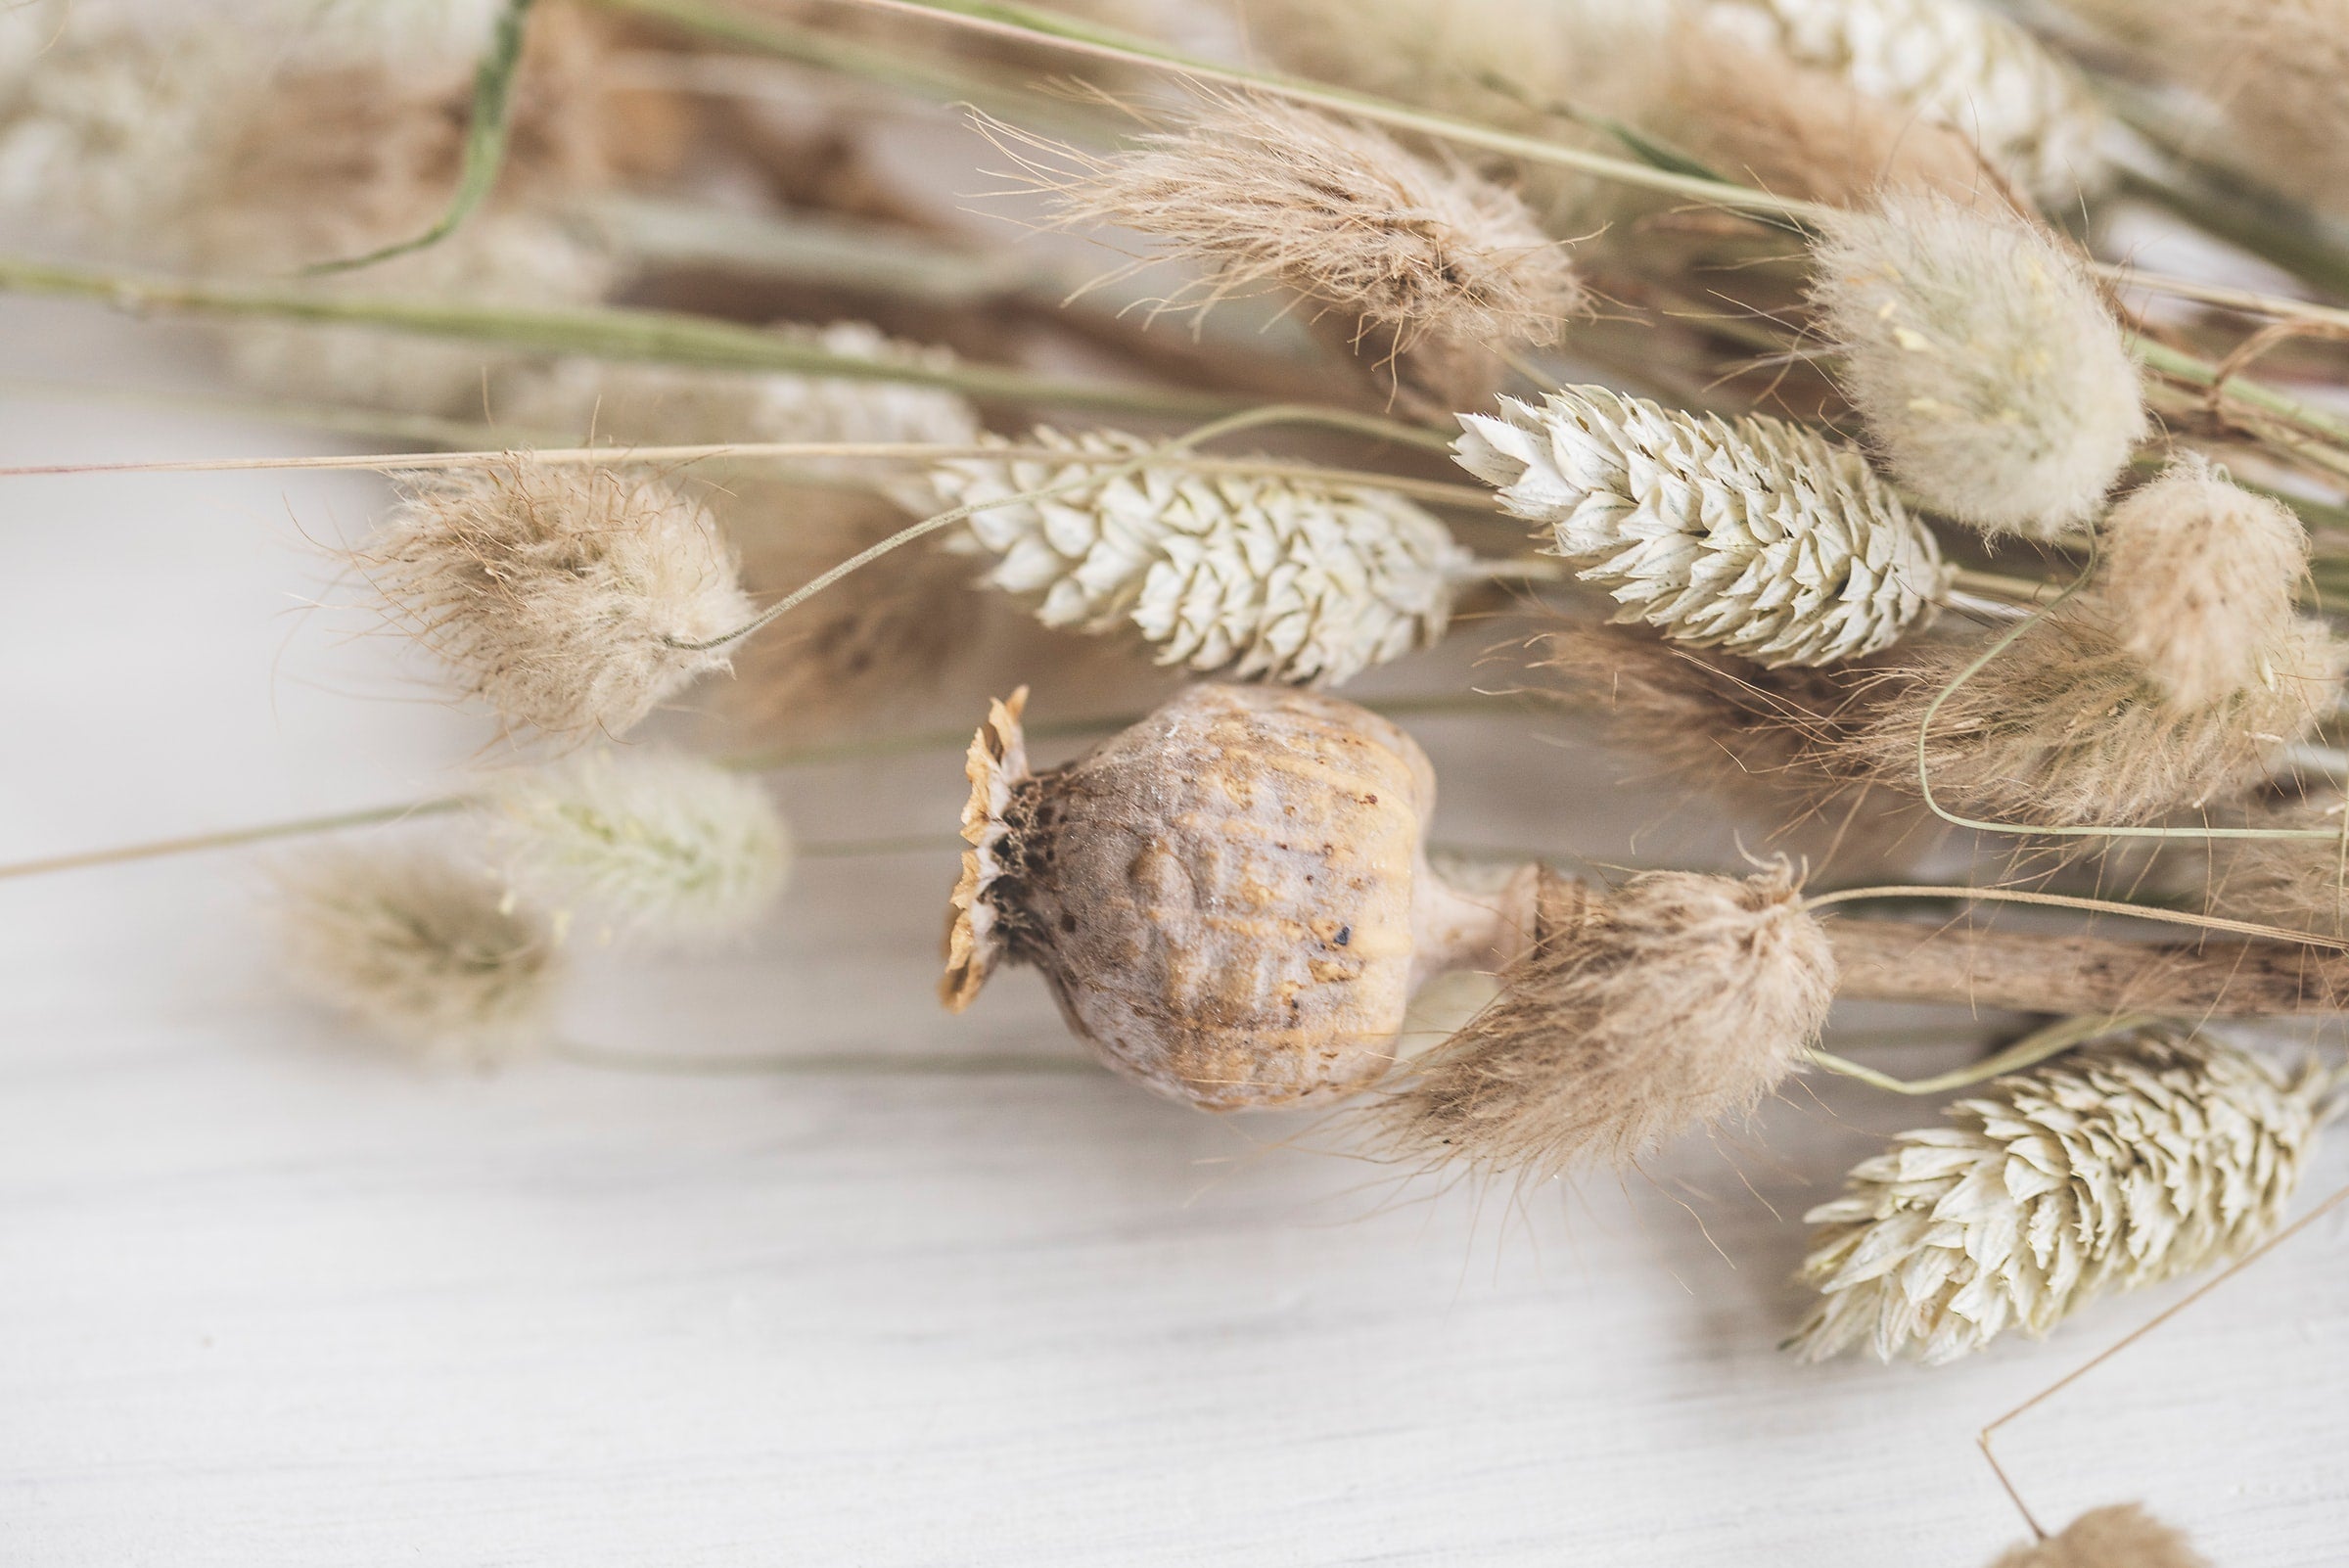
(1777, 371)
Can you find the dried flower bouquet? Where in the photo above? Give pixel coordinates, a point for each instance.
(1773, 360)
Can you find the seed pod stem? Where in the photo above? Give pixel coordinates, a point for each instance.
(1898, 960)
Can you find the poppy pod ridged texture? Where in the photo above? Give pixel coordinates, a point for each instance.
(1230, 900)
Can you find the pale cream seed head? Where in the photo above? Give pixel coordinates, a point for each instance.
(647, 842)
(421, 944)
(2200, 577)
(1991, 377)
(558, 595)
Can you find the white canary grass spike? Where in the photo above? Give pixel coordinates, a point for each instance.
(555, 594)
(2200, 577)
(1956, 62)
(1985, 365)
(1267, 578)
(2124, 1164)
(2121, 1536)
(1757, 537)
(645, 842)
(421, 945)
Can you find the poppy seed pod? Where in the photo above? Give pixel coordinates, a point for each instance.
(1230, 901)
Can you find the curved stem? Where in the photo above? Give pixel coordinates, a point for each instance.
(2029, 1051)
(1924, 771)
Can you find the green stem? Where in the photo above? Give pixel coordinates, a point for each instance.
(825, 51)
(2195, 372)
(615, 333)
(2029, 1051)
(485, 138)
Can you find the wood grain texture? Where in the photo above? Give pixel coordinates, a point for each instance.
(268, 1297)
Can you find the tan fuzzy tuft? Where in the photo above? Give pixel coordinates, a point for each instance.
(1267, 194)
(1724, 725)
(1991, 377)
(2122, 1536)
(2066, 727)
(1956, 62)
(2200, 575)
(557, 595)
(2278, 73)
(1682, 1002)
(1759, 115)
(420, 947)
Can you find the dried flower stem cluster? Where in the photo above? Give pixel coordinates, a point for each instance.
(1766, 317)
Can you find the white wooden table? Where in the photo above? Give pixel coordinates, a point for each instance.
(268, 1295)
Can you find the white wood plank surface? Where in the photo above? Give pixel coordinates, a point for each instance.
(270, 1297)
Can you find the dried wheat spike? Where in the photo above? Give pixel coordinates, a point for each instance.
(1756, 538)
(1268, 577)
(1955, 62)
(2122, 1536)
(2128, 1163)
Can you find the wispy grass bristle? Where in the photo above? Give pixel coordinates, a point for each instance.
(1680, 1002)
(1264, 193)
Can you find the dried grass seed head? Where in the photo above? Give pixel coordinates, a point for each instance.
(558, 595)
(2275, 71)
(1758, 115)
(645, 842)
(1265, 193)
(1229, 900)
(1680, 1002)
(1985, 365)
(1261, 576)
(422, 944)
(2130, 1162)
(2067, 727)
(2200, 577)
(2124, 1536)
(1955, 62)
(1757, 537)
